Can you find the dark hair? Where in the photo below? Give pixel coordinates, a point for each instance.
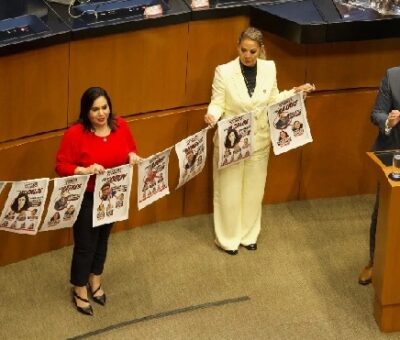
(61, 203)
(286, 134)
(14, 205)
(300, 126)
(237, 138)
(55, 217)
(87, 100)
(105, 185)
(191, 161)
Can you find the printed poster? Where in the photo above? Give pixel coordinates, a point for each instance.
(289, 125)
(24, 206)
(2, 185)
(65, 202)
(235, 139)
(192, 153)
(112, 192)
(153, 178)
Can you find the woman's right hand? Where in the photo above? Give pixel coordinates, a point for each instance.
(90, 170)
(209, 119)
(134, 158)
(96, 169)
(306, 88)
(393, 118)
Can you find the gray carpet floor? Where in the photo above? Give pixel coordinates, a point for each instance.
(169, 281)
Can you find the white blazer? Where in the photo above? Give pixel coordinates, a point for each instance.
(230, 96)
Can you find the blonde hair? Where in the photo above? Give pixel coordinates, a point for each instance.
(255, 35)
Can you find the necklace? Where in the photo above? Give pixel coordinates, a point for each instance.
(102, 134)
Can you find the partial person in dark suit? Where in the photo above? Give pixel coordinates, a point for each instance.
(386, 116)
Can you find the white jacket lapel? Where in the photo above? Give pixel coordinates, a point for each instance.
(239, 83)
(262, 85)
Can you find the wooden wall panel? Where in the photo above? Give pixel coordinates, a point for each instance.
(289, 59)
(33, 92)
(143, 70)
(335, 163)
(349, 65)
(211, 43)
(283, 177)
(284, 170)
(28, 159)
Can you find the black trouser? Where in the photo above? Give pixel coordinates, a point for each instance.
(372, 228)
(90, 248)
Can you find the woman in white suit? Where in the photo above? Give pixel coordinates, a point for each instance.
(245, 84)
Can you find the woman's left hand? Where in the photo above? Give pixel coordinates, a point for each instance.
(134, 158)
(306, 88)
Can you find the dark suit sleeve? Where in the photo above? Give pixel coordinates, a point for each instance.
(383, 104)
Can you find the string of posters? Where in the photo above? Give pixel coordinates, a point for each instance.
(25, 204)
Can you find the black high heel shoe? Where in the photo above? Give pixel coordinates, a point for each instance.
(230, 252)
(252, 246)
(101, 300)
(84, 310)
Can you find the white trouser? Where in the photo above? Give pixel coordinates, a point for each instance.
(238, 194)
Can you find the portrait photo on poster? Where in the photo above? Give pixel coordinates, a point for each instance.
(235, 139)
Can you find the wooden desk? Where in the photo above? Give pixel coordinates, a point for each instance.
(386, 274)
